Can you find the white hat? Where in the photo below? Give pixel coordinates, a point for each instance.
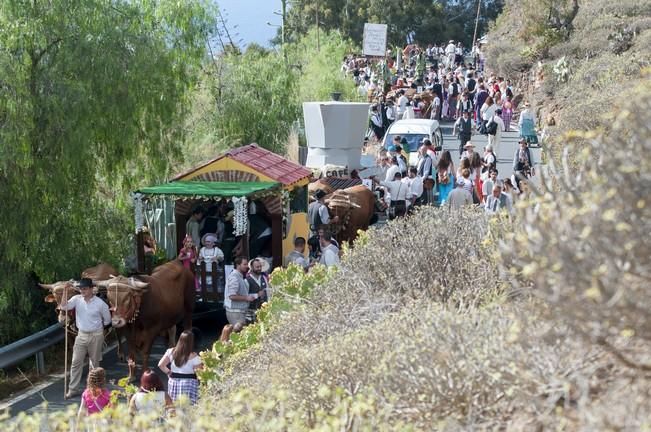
(209, 237)
(489, 147)
(265, 264)
(469, 144)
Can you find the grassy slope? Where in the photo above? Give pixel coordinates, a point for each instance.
(606, 50)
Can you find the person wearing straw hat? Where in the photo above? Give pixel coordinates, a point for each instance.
(469, 149)
(91, 316)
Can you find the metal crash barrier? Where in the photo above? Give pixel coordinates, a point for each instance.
(33, 345)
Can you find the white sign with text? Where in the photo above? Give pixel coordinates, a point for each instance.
(375, 40)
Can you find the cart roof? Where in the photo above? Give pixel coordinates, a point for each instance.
(208, 188)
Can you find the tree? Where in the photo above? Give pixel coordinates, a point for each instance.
(243, 98)
(426, 20)
(91, 97)
(257, 96)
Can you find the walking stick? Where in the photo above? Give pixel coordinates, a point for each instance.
(65, 361)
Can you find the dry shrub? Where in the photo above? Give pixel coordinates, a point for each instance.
(586, 246)
(497, 367)
(433, 256)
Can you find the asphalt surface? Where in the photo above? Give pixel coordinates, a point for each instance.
(32, 399)
(508, 145)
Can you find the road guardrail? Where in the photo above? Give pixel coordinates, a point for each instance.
(32, 345)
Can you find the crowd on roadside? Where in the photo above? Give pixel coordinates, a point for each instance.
(443, 83)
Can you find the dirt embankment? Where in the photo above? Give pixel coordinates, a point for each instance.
(574, 60)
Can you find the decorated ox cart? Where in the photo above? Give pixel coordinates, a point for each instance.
(261, 200)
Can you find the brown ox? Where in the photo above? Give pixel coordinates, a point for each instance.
(148, 305)
(355, 207)
(59, 289)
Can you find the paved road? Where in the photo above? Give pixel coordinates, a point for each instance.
(31, 400)
(508, 144)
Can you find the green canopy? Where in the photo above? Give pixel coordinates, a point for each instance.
(208, 188)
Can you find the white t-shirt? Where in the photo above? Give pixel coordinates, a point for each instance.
(488, 111)
(415, 186)
(150, 402)
(402, 104)
(397, 190)
(467, 184)
(487, 188)
(330, 256)
(213, 254)
(90, 316)
(391, 172)
(187, 368)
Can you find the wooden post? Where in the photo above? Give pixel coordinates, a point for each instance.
(474, 36)
(140, 253)
(245, 245)
(277, 240)
(203, 279)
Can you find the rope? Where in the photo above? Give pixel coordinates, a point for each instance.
(65, 351)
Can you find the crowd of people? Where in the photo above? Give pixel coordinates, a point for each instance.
(437, 82)
(444, 83)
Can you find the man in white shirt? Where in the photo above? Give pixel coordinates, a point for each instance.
(494, 140)
(236, 295)
(436, 107)
(399, 193)
(394, 168)
(91, 316)
(391, 112)
(487, 186)
(329, 252)
(402, 104)
(450, 51)
(415, 183)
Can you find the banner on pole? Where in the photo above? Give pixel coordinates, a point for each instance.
(375, 40)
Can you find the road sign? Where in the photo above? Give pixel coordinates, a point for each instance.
(375, 40)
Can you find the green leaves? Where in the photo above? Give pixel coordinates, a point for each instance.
(91, 103)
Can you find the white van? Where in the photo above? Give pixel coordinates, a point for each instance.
(412, 132)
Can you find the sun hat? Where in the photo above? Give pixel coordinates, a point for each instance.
(208, 237)
(265, 264)
(469, 144)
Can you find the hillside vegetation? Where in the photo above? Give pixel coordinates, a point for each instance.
(455, 321)
(575, 59)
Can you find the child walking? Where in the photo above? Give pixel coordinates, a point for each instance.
(96, 397)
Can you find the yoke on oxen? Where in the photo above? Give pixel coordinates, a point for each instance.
(125, 296)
